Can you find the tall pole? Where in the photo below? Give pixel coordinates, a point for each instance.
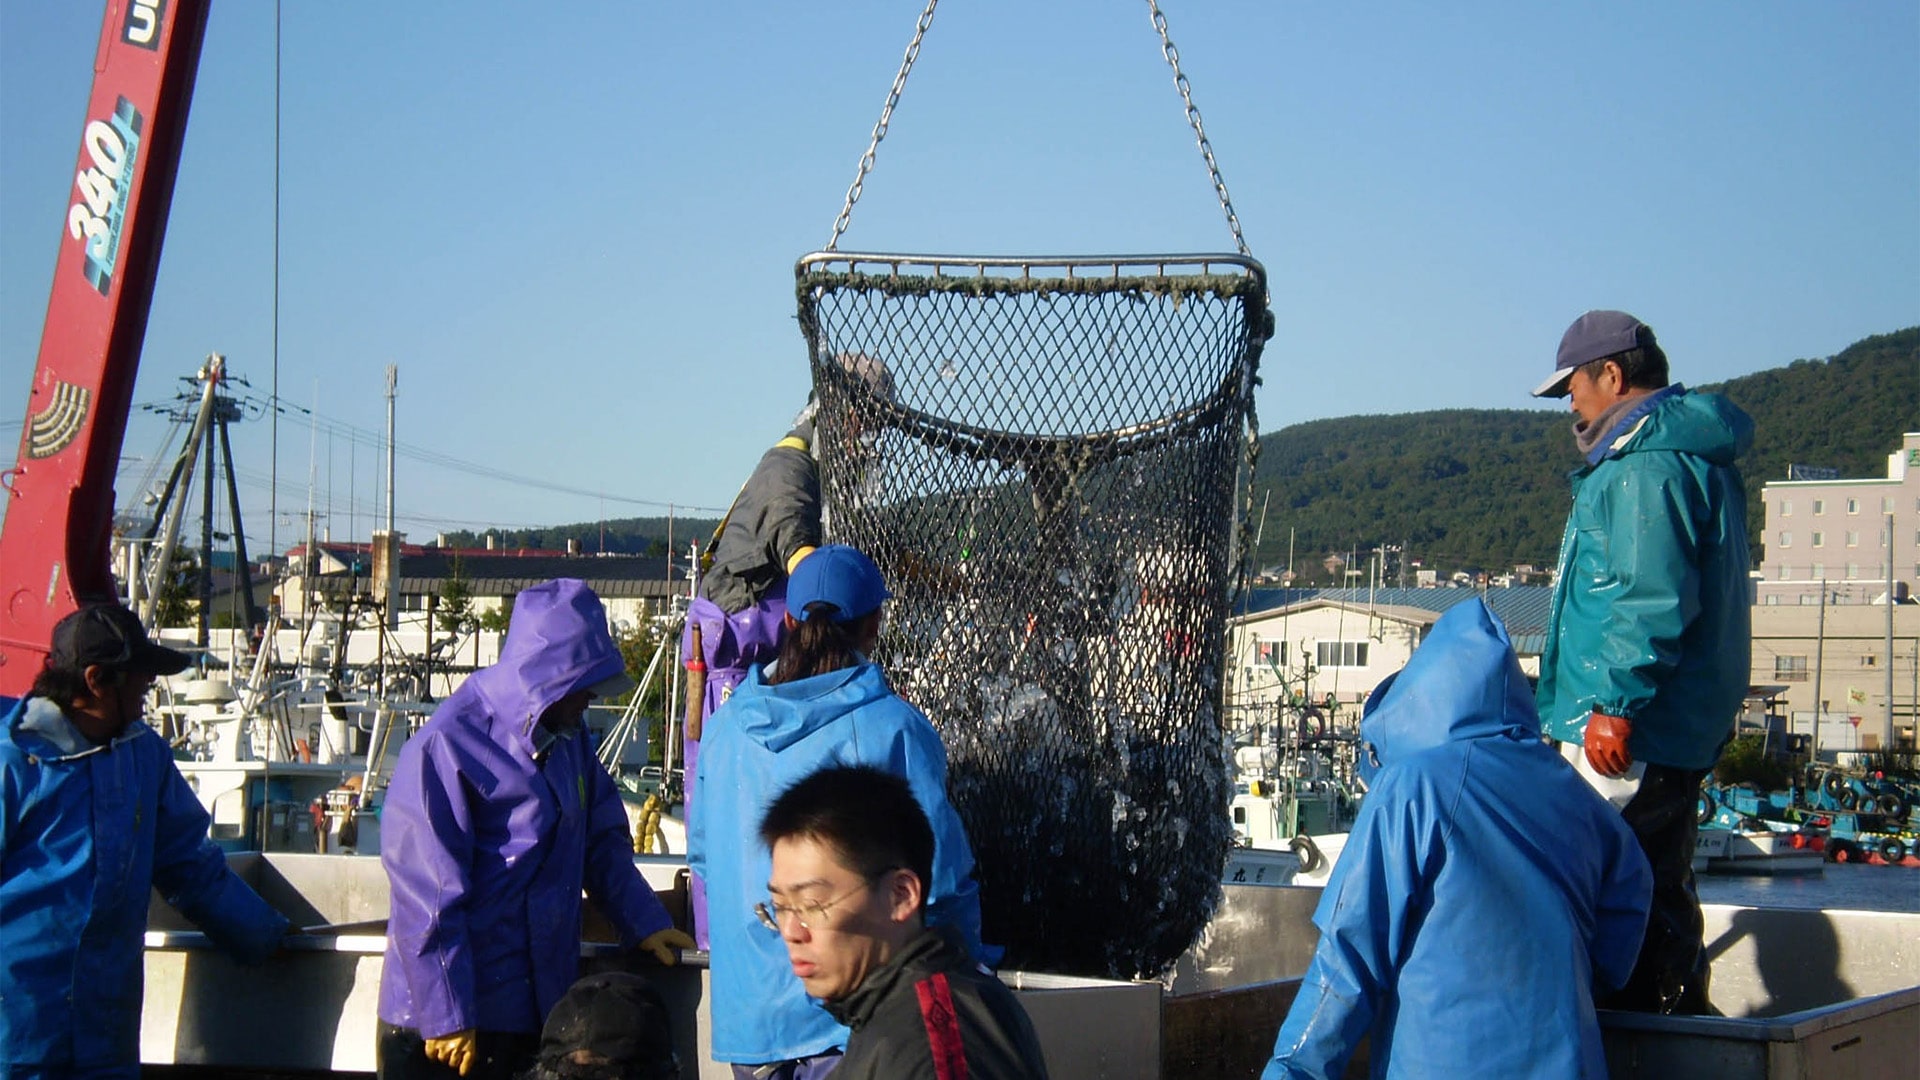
(1887, 745)
(1819, 669)
(393, 381)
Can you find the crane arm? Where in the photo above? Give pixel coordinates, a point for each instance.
(55, 546)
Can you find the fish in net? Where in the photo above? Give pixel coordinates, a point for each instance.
(1049, 460)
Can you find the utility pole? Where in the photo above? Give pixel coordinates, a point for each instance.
(1819, 669)
(393, 381)
(1886, 747)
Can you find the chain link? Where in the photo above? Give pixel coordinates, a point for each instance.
(880, 128)
(1193, 117)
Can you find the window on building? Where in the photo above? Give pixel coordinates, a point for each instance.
(1808, 601)
(1819, 539)
(1790, 669)
(1786, 573)
(1771, 600)
(1886, 505)
(1786, 539)
(1347, 654)
(1853, 506)
(1819, 506)
(1853, 538)
(1271, 653)
(1869, 660)
(1853, 570)
(1820, 571)
(1786, 507)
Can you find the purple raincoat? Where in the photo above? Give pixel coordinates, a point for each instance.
(487, 849)
(731, 646)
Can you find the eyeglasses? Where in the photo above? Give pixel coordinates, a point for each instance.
(810, 912)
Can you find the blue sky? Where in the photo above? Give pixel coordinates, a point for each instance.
(574, 232)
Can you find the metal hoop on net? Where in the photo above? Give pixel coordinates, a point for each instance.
(1046, 456)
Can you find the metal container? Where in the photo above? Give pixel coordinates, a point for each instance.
(1808, 994)
(313, 1007)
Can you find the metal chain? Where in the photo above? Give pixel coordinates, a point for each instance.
(880, 128)
(1193, 117)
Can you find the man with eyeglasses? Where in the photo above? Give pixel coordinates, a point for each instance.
(851, 854)
(93, 817)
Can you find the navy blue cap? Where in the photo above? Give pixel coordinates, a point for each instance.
(1593, 336)
(110, 635)
(837, 575)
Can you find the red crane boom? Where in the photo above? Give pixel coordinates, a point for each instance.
(55, 547)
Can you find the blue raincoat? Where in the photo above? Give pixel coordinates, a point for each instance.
(487, 845)
(1483, 890)
(1650, 616)
(763, 740)
(86, 834)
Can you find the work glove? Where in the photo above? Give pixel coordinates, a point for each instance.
(455, 1051)
(662, 944)
(1607, 744)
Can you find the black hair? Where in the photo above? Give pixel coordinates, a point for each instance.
(868, 817)
(61, 686)
(1643, 367)
(820, 644)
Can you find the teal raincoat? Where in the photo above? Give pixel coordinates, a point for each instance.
(1651, 618)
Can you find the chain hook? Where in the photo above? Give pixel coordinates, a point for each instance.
(1193, 118)
(880, 127)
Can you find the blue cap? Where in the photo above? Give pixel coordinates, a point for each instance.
(1593, 336)
(837, 575)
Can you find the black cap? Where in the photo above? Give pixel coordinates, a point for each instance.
(110, 635)
(620, 1020)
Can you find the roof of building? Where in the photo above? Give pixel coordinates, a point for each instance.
(1523, 608)
(505, 574)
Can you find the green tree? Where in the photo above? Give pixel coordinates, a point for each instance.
(496, 619)
(175, 603)
(456, 601)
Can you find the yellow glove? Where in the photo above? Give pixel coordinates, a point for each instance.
(455, 1051)
(663, 943)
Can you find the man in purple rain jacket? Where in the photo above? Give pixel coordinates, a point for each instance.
(496, 817)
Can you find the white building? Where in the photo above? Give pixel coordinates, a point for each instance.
(1834, 534)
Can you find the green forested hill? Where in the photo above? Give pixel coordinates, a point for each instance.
(1475, 488)
(1485, 488)
(627, 536)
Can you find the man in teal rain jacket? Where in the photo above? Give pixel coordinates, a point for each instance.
(93, 817)
(497, 816)
(1649, 643)
(1483, 891)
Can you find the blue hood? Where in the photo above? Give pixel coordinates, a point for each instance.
(1463, 682)
(786, 713)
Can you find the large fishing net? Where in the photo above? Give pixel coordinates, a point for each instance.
(1047, 459)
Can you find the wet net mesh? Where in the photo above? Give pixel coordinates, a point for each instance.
(1047, 461)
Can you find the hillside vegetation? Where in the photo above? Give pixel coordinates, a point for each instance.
(1469, 488)
(1486, 488)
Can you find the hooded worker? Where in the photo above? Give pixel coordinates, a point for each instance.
(737, 617)
(1484, 889)
(496, 817)
(94, 816)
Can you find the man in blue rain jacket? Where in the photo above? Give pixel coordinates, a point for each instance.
(1483, 891)
(93, 817)
(1649, 642)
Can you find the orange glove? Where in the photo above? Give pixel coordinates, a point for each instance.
(1607, 744)
(455, 1051)
(664, 945)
